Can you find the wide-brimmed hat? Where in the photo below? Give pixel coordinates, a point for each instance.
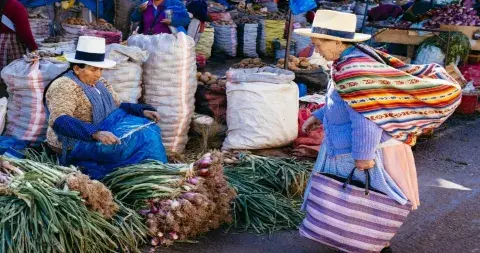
(91, 51)
(334, 25)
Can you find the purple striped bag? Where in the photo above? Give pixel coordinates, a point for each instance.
(348, 216)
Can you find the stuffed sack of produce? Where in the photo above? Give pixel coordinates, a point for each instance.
(280, 46)
(307, 73)
(40, 26)
(225, 41)
(301, 42)
(103, 29)
(247, 40)
(73, 28)
(205, 44)
(262, 108)
(26, 79)
(261, 38)
(126, 76)
(274, 29)
(169, 77)
(57, 45)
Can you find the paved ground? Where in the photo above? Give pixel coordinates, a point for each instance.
(447, 221)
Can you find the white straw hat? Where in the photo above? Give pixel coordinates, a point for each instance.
(91, 51)
(334, 25)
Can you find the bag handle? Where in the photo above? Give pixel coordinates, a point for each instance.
(367, 180)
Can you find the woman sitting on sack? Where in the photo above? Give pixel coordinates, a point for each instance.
(89, 125)
(158, 16)
(375, 108)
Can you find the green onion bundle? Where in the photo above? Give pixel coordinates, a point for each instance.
(259, 207)
(40, 214)
(284, 175)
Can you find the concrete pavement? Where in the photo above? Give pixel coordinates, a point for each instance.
(448, 219)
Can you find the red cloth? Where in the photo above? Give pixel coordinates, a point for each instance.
(471, 73)
(308, 145)
(18, 14)
(10, 50)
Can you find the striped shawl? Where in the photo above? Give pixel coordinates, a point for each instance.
(404, 100)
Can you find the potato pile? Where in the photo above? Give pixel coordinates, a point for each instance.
(247, 20)
(249, 63)
(102, 25)
(210, 80)
(47, 54)
(75, 21)
(278, 15)
(224, 22)
(296, 64)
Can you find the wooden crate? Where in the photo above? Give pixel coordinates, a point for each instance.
(467, 30)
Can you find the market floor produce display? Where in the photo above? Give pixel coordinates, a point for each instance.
(446, 221)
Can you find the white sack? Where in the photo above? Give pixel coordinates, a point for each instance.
(26, 80)
(170, 83)
(126, 76)
(262, 108)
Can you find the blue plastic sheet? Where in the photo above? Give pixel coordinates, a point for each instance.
(90, 4)
(302, 6)
(11, 144)
(142, 143)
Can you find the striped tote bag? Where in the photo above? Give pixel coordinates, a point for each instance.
(350, 216)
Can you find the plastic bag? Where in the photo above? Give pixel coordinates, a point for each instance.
(301, 6)
(429, 55)
(126, 76)
(225, 40)
(247, 40)
(3, 113)
(205, 44)
(315, 80)
(262, 108)
(140, 140)
(170, 83)
(26, 80)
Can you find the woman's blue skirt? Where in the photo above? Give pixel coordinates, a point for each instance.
(139, 143)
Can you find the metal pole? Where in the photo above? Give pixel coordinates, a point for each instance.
(289, 37)
(98, 8)
(365, 16)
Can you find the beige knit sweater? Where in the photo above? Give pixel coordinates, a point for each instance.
(65, 97)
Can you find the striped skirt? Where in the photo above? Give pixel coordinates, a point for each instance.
(10, 49)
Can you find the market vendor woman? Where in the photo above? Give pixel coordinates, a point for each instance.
(89, 125)
(153, 17)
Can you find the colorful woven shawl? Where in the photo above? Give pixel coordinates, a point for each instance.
(404, 100)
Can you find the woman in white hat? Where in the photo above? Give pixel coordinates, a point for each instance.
(376, 107)
(89, 124)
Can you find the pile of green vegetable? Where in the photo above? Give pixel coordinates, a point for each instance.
(179, 201)
(40, 213)
(267, 192)
(455, 45)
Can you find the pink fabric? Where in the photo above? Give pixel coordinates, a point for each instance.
(399, 163)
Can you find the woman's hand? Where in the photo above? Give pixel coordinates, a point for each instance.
(106, 138)
(310, 124)
(152, 115)
(364, 164)
(167, 21)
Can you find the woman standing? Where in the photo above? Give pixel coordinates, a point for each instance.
(154, 18)
(15, 35)
(375, 108)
